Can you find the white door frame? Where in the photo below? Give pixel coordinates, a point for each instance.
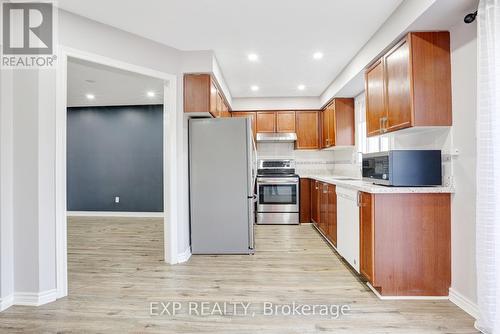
(170, 184)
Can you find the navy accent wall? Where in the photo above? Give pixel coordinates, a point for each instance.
(115, 151)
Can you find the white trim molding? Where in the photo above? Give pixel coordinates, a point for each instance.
(184, 256)
(34, 298)
(115, 214)
(6, 302)
(28, 299)
(405, 297)
(464, 303)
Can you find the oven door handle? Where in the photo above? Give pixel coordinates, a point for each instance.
(292, 183)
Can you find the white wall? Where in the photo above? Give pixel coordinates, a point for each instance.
(6, 188)
(464, 95)
(276, 103)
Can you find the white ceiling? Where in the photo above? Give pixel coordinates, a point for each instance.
(110, 86)
(284, 33)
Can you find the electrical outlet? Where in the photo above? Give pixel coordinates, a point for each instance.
(117, 199)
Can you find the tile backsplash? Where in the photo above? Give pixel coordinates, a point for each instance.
(315, 162)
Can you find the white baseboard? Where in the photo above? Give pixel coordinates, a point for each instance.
(28, 299)
(6, 302)
(464, 303)
(184, 256)
(405, 297)
(35, 299)
(115, 214)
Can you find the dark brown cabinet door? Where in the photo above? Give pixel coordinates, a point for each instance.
(249, 114)
(375, 98)
(344, 122)
(323, 215)
(326, 119)
(306, 127)
(305, 201)
(332, 214)
(397, 83)
(366, 236)
(285, 121)
(315, 202)
(266, 121)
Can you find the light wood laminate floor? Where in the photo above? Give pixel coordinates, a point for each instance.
(116, 271)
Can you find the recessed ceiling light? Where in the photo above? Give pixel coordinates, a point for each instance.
(301, 87)
(90, 96)
(318, 55)
(254, 88)
(151, 94)
(253, 57)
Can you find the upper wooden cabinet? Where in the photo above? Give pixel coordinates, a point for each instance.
(201, 94)
(410, 85)
(266, 121)
(307, 129)
(285, 121)
(251, 115)
(338, 123)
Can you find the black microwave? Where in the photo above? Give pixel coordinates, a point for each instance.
(403, 168)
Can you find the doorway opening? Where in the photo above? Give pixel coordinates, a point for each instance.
(116, 170)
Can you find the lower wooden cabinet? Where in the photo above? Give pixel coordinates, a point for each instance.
(366, 235)
(305, 200)
(315, 201)
(405, 247)
(328, 211)
(332, 214)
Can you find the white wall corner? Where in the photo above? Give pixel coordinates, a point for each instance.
(35, 299)
(184, 256)
(464, 303)
(6, 302)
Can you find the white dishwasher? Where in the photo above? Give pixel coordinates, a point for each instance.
(348, 225)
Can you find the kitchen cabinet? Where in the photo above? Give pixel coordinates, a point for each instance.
(332, 214)
(315, 189)
(405, 247)
(305, 200)
(337, 123)
(410, 85)
(327, 220)
(266, 121)
(275, 121)
(202, 95)
(285, 121)
(375, 98)
(366, 235)
(323, 208)
(250, 114)
(306, 127)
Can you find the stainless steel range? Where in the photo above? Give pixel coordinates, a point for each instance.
(277, 192)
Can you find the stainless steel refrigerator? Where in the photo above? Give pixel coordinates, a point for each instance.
(222, 173)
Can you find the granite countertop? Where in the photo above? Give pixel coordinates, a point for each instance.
(357, 184)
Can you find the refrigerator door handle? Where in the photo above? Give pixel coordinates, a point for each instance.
(251, 220)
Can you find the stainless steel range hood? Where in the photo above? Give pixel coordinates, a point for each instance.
(263, 137)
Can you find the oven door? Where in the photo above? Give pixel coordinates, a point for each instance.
(279, 194)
